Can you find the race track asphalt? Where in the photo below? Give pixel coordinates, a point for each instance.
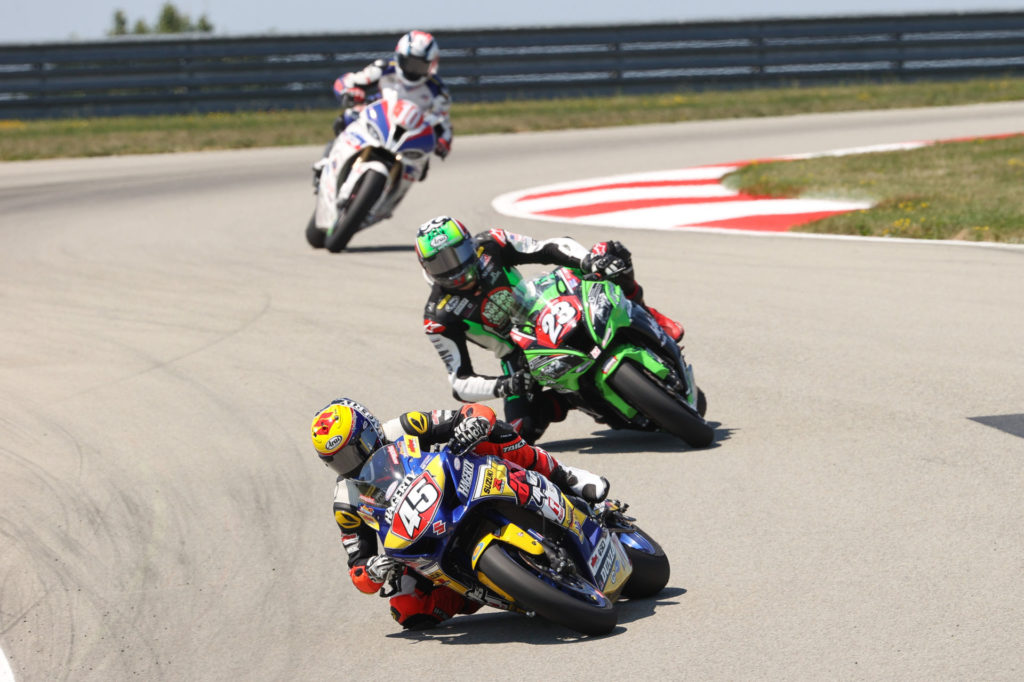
(166, 336)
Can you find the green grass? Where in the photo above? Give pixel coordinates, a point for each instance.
(141, 135)
(970, 190)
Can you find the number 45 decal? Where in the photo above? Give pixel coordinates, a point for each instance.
(417, 509)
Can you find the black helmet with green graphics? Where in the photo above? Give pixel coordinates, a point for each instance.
(448, 253)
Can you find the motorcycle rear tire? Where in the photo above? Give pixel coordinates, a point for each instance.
(364, 196)
(650, 570)
(656, 403)
(533, 593)
(314, 235)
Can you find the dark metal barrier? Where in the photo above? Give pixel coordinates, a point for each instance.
(203, 74)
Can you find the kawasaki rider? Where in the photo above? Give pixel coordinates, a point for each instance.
(472, 298)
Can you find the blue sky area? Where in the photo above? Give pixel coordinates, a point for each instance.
(60, 20)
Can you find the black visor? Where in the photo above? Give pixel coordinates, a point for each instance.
(451, 266)
(414, 67)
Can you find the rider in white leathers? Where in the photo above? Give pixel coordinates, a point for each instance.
(410, 74)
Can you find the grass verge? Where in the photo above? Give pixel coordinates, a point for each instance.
(20, 140)
(971, 190)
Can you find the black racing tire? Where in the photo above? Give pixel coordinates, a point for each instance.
(533, 593)
(656, 403)
(365, 195)
(314, 235)
(650, 569)
(702, 402)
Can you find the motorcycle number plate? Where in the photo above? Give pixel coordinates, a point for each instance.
(558, 318)
(416, 509)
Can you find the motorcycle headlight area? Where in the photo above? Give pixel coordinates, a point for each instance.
(547, 369)
(599, 305)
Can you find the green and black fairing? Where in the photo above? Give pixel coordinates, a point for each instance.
(574, 334)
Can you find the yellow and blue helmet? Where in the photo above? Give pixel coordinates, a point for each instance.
(345, 434)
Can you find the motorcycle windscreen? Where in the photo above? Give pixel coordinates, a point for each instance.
(381, 475)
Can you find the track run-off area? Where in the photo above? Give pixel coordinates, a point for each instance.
(166, 336)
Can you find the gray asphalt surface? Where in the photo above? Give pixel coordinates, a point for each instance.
(166, 335)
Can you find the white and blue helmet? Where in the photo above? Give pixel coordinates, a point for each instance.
(417, 55)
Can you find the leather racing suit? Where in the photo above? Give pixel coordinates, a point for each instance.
(481, 316)
(430, 95)
(419, 603)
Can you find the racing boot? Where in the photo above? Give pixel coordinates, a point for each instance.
(580, 482)
(669, 326)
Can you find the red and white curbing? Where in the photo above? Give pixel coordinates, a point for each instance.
(688, 198)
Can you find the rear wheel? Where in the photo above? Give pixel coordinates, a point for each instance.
(565, 600)
(650, 565)
(367, 190)
(659, 405)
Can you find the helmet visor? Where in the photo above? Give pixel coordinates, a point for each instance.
(349, 459)
(413, 67)
(454, 265)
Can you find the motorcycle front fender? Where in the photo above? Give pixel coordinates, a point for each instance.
(641, 356)
(339, 164)
(510, 534)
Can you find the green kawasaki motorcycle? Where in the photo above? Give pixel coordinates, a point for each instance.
(588, 341)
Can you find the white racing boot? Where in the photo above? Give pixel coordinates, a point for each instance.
(580, 482)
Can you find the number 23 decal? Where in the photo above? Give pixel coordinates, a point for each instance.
(557, 319)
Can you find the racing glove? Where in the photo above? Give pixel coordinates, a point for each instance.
(520, 383)
(469, 433)
(380, 568)
(608, 260)
(351, 96)
(443, 147)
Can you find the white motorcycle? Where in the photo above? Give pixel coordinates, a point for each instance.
(369, 168)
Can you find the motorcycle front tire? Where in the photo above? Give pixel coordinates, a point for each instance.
(364, 196)
(659, 405)
(533, 592)
(314, 235)
(650, 568)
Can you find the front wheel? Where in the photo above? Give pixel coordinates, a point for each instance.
(660, 405)
(367, 190)
(565, 600)
(650, 565)
(314, 235)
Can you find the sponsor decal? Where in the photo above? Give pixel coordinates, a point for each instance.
(334, 443)
(347, 520)
(466, 480)
(432, 327)
(494, 312)
(438, 527)
(366, 514)
(493, 482)
(602, 561)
